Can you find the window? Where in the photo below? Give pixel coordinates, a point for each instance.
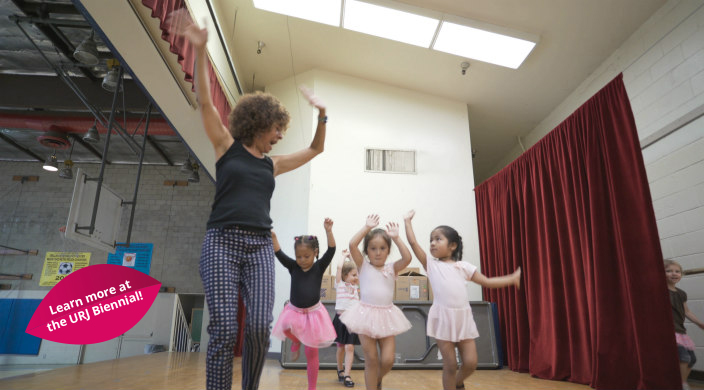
(392, 161)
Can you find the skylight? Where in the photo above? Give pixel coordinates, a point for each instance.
(321, 11)
(482, 45)
(389, 23)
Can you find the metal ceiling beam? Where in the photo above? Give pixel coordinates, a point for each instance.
(159, 150)
(34, 13)
(20, 147)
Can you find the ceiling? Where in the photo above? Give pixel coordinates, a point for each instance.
(503, 104)
(37, 41)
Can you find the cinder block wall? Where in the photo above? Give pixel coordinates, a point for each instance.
(173, 218)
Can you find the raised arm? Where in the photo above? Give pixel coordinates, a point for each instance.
(392, 230)
(345, 255)
(289, 162)
(328, 232)
(372, 222)
(498, 281)
(180, 23)
(692, 317)
(411, 237)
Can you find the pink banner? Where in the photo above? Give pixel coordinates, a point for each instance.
(94, 304)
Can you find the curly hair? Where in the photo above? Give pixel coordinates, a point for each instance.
(254, 114)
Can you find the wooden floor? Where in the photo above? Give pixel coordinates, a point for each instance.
(186, 371)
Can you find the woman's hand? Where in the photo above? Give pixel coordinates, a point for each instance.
(180, 23)
(312, 99)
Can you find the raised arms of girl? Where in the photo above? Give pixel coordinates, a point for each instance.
(289, 162)
(411, 237)
(330, 252)
(400, 264)
(338, 276)
(372, 222)
(180, 23)
(498, 281)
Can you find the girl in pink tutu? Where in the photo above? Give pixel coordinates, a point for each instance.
(374, 317)
(304, 319)
(450, 319)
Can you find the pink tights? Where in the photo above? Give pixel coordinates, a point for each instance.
(311, 359)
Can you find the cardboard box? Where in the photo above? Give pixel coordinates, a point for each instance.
(411, 288)
(410, 271)
(430, 292)
(327, 288)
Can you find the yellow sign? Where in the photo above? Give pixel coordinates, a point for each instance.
(57, 265)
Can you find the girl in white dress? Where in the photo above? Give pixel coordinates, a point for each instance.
(374, 317)
(450, 319)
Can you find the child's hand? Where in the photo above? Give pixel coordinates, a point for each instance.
(346, 254)
(328, 224)
(409, 215)
(517, 278)
(372, 221)
(392, 229)
(312, 99)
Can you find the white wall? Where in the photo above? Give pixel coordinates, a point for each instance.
(367, 114)
(663, 71)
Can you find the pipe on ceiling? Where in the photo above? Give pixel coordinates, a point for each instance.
(77, 124)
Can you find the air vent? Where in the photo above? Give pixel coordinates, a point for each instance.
(391, 161)
(53, 139)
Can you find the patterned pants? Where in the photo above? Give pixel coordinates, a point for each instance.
(233, 261)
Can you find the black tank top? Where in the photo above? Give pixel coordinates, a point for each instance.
(243, 188)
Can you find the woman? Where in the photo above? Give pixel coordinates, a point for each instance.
(237, 255)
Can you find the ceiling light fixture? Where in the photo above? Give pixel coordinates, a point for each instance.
(187, 165)
(92, 134)
(51, 164)
(402, 23)
(110, 80)
(87, 53)
(321, 11)
(194, 177)
(66, 172)
(484, 42)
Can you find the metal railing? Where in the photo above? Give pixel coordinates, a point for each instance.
(181, 340)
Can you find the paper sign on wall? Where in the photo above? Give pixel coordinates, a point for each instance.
(58, 265)
(137, 256)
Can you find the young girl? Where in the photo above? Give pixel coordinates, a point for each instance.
(450, 319)
(304, 319)
(375, 318)
(347, 289)
(678, 300)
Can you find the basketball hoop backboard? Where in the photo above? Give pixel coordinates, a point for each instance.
(108, 217)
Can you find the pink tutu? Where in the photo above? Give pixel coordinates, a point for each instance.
(684, 340)
(451, 324)
(375, 321)
(311, 326)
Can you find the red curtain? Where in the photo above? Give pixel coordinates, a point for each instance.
(186, 57)
(575, 212)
